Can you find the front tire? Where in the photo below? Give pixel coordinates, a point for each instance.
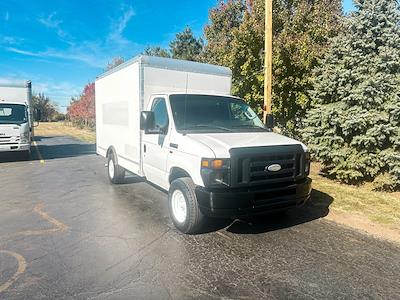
(183, 207)
(116, 174)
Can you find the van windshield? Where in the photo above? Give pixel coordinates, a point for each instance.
(203, 113)
(13, 114)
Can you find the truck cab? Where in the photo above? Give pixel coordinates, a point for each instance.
(216, 151)
(16, 119)
(15, 132)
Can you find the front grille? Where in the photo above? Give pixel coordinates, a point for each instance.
(6, 140)
(249, 166)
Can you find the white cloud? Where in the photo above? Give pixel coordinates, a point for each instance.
(75, 54)
(118, 27)
(9, 80)
(23, 52)
(58, 91)
(10, 40)
(94, 53)
(52, 23)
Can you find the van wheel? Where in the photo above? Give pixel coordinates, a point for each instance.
(116, 174)
(183, 206)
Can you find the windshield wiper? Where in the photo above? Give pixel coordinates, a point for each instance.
(207, 126)
(250, 126)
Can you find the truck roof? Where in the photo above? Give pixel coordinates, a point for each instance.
(172, 64)
(12, 102)
(17, 84)
(199, 94)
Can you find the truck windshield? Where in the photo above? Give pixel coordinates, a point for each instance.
(203, 113)
(13, 114)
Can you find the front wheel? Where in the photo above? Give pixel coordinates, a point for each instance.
(183, 207)
(116, 174)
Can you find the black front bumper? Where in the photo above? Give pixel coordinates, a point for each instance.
(252, 201)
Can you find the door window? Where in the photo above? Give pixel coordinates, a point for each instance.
(161, 114)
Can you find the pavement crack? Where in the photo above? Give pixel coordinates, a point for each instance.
(140, 250)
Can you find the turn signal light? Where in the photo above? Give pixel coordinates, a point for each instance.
(215, 164)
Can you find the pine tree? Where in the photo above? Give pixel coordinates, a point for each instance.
(354, 128)
(156, 51)
(186, 46)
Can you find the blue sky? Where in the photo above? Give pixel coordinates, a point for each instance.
(62, 45)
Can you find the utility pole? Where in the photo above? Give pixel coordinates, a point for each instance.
(268, 61)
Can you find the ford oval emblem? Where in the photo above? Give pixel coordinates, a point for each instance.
(273, 168)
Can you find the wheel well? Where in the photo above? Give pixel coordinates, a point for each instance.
(111, 150)
(177, 173)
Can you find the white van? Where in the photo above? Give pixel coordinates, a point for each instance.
(175, 123)
(16, 119)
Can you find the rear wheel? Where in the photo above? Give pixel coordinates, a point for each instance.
(183, 207)
(116, 174)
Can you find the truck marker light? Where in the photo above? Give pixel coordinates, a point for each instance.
(205, 163)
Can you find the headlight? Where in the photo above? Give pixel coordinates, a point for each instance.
(307, 163)
(216, 172)
(24, 138)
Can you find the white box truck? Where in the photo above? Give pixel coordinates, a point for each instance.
(16, 117)
(175, 124)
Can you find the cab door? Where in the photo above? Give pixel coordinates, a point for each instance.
(156, 146)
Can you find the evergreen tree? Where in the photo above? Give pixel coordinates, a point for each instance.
(156, 51)
(354, 128)
(186, 46)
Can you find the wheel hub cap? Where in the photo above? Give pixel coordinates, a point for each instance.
(111, 169)
(179, 208)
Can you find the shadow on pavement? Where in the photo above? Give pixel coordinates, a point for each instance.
(51, 148)
(8, 157)
(317, 207)
(65, 150)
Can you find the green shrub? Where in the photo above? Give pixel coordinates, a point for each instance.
(354, 127)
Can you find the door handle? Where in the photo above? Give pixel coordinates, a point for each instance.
(174, 145)
(144, 148)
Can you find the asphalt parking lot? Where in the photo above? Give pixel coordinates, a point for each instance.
(66, 233)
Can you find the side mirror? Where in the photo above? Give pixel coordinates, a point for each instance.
(147, 122)
(270, 122)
